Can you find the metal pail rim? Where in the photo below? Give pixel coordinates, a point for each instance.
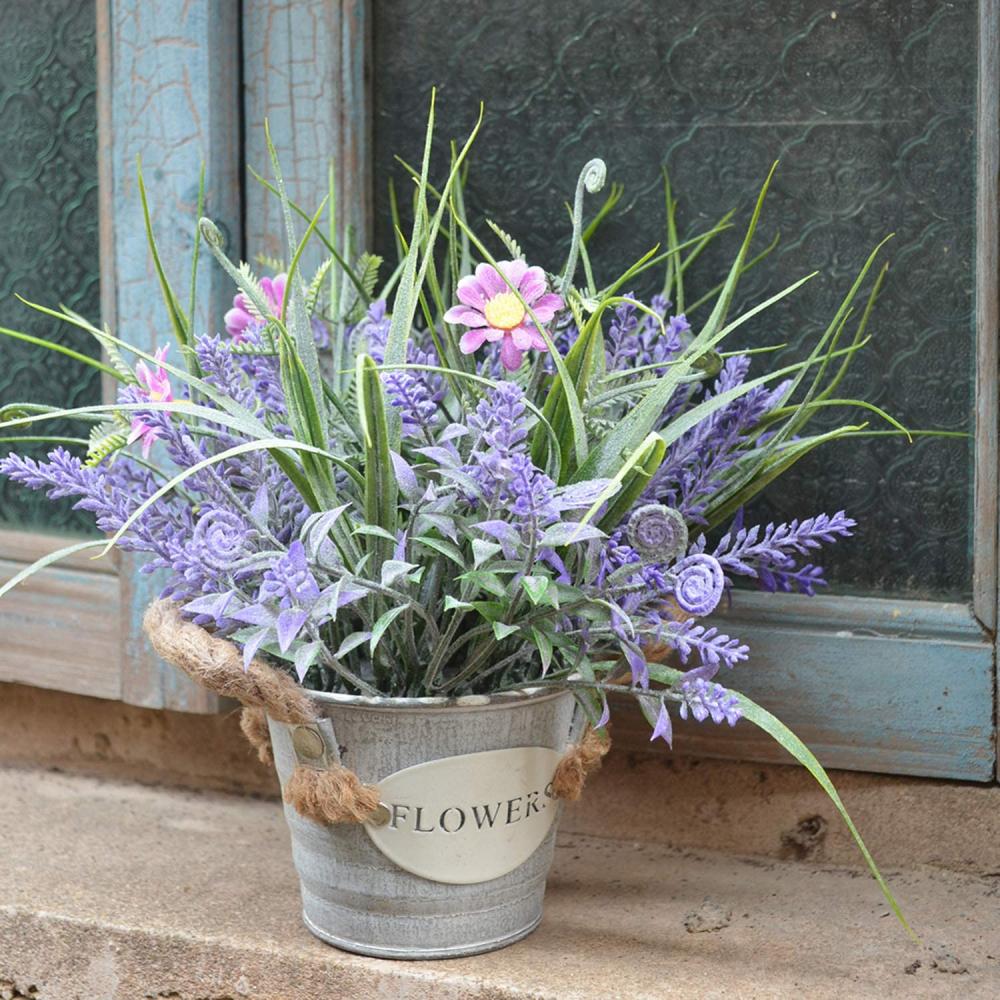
(484, 702)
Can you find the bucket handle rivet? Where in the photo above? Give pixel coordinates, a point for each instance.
(308, 743)
(380, 817)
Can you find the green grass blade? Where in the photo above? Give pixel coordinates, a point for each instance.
(191, 357)
(324, 239)
(640, 421)
(269, 444)
(782, 735)
(48, 560)
(785, 738)
(60, 349)
(178, 321)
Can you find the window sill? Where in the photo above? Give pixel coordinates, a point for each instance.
(126, 891)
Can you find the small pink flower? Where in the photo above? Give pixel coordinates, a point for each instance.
(242, 314)
(155, 386)
(155, 383)
(493, 312)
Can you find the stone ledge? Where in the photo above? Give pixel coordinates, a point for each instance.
(112, 891)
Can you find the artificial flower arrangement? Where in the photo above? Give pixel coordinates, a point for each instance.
(463, 477)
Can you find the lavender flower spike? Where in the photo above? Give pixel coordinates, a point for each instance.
(703, 699)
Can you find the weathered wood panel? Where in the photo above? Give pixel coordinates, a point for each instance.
(305, 71)
(170, 78)
(60, 630)
(868, 684)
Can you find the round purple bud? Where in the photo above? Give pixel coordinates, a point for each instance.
(658, 533)
(220, 539)
(699, 584)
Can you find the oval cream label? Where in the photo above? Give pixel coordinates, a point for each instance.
(470, 818)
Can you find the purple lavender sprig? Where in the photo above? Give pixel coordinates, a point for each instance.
(769, 554)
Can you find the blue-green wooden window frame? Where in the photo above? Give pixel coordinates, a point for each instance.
(871, 684)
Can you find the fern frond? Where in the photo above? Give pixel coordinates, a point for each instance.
(269, 262)
(316, 285)
(105, 439)
(115, 358)
(246, 272)
(513, 247)
(266, 347)
(367, 269)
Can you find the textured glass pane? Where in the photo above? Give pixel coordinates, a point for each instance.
(48, 220)
(870, 107)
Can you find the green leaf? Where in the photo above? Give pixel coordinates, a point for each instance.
(586, 355)
(374, 531)
(452, 603)
(352, 641)
(482, 551)
(305, 656)
(785, 738)
(485, 580)
(492, 611)
(535, 587)
(569, 532)
(393, 569)
(384, 621)
(636, 459)
(544, 644)
(448, 549)
(501, 630)
(634, 482)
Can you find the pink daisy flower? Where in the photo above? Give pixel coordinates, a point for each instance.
(493, 312)
(243, 315)
(155, 386)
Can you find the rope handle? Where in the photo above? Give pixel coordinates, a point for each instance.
(330, 793)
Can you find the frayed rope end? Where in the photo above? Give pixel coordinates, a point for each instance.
(332, 795)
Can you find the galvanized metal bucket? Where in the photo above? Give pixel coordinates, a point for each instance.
(353, 896)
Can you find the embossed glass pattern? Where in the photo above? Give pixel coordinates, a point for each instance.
(48, 209)
(869, 105)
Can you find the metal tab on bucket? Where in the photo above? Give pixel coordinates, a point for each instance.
(469, 818)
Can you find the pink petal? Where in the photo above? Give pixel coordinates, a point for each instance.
(493, 334)
(490, 281)
(277, 291)
(236, 321)
(537, 340)
(521, 337)
(470, 292)
(547, 306)
(533, 284)
(144, 375)
(510, 356)
(471, 341)
(514, 270)
(465, 316)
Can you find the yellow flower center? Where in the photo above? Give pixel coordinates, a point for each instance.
(504, 311)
